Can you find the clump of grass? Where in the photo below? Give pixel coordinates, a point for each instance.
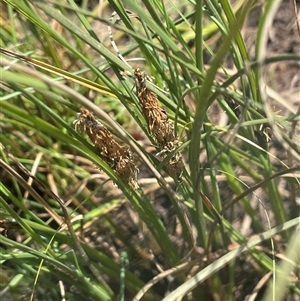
(216, 234)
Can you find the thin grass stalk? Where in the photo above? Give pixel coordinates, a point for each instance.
(271, 8)
(194, 150)
(240, 55)
(204, 274)
(201, 107)
(83, 20)
(277, 288)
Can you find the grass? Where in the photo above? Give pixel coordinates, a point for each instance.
(220, 228)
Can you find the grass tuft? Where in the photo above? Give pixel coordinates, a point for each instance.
(188, 184)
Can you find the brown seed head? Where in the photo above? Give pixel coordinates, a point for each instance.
(158, 123)
(118, 157)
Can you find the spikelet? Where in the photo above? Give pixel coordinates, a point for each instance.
(159, 125)
(118, 157)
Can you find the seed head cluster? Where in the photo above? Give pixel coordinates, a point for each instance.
(118, 157)
(159, 124)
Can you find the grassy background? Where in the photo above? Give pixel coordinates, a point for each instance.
(224, 231)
